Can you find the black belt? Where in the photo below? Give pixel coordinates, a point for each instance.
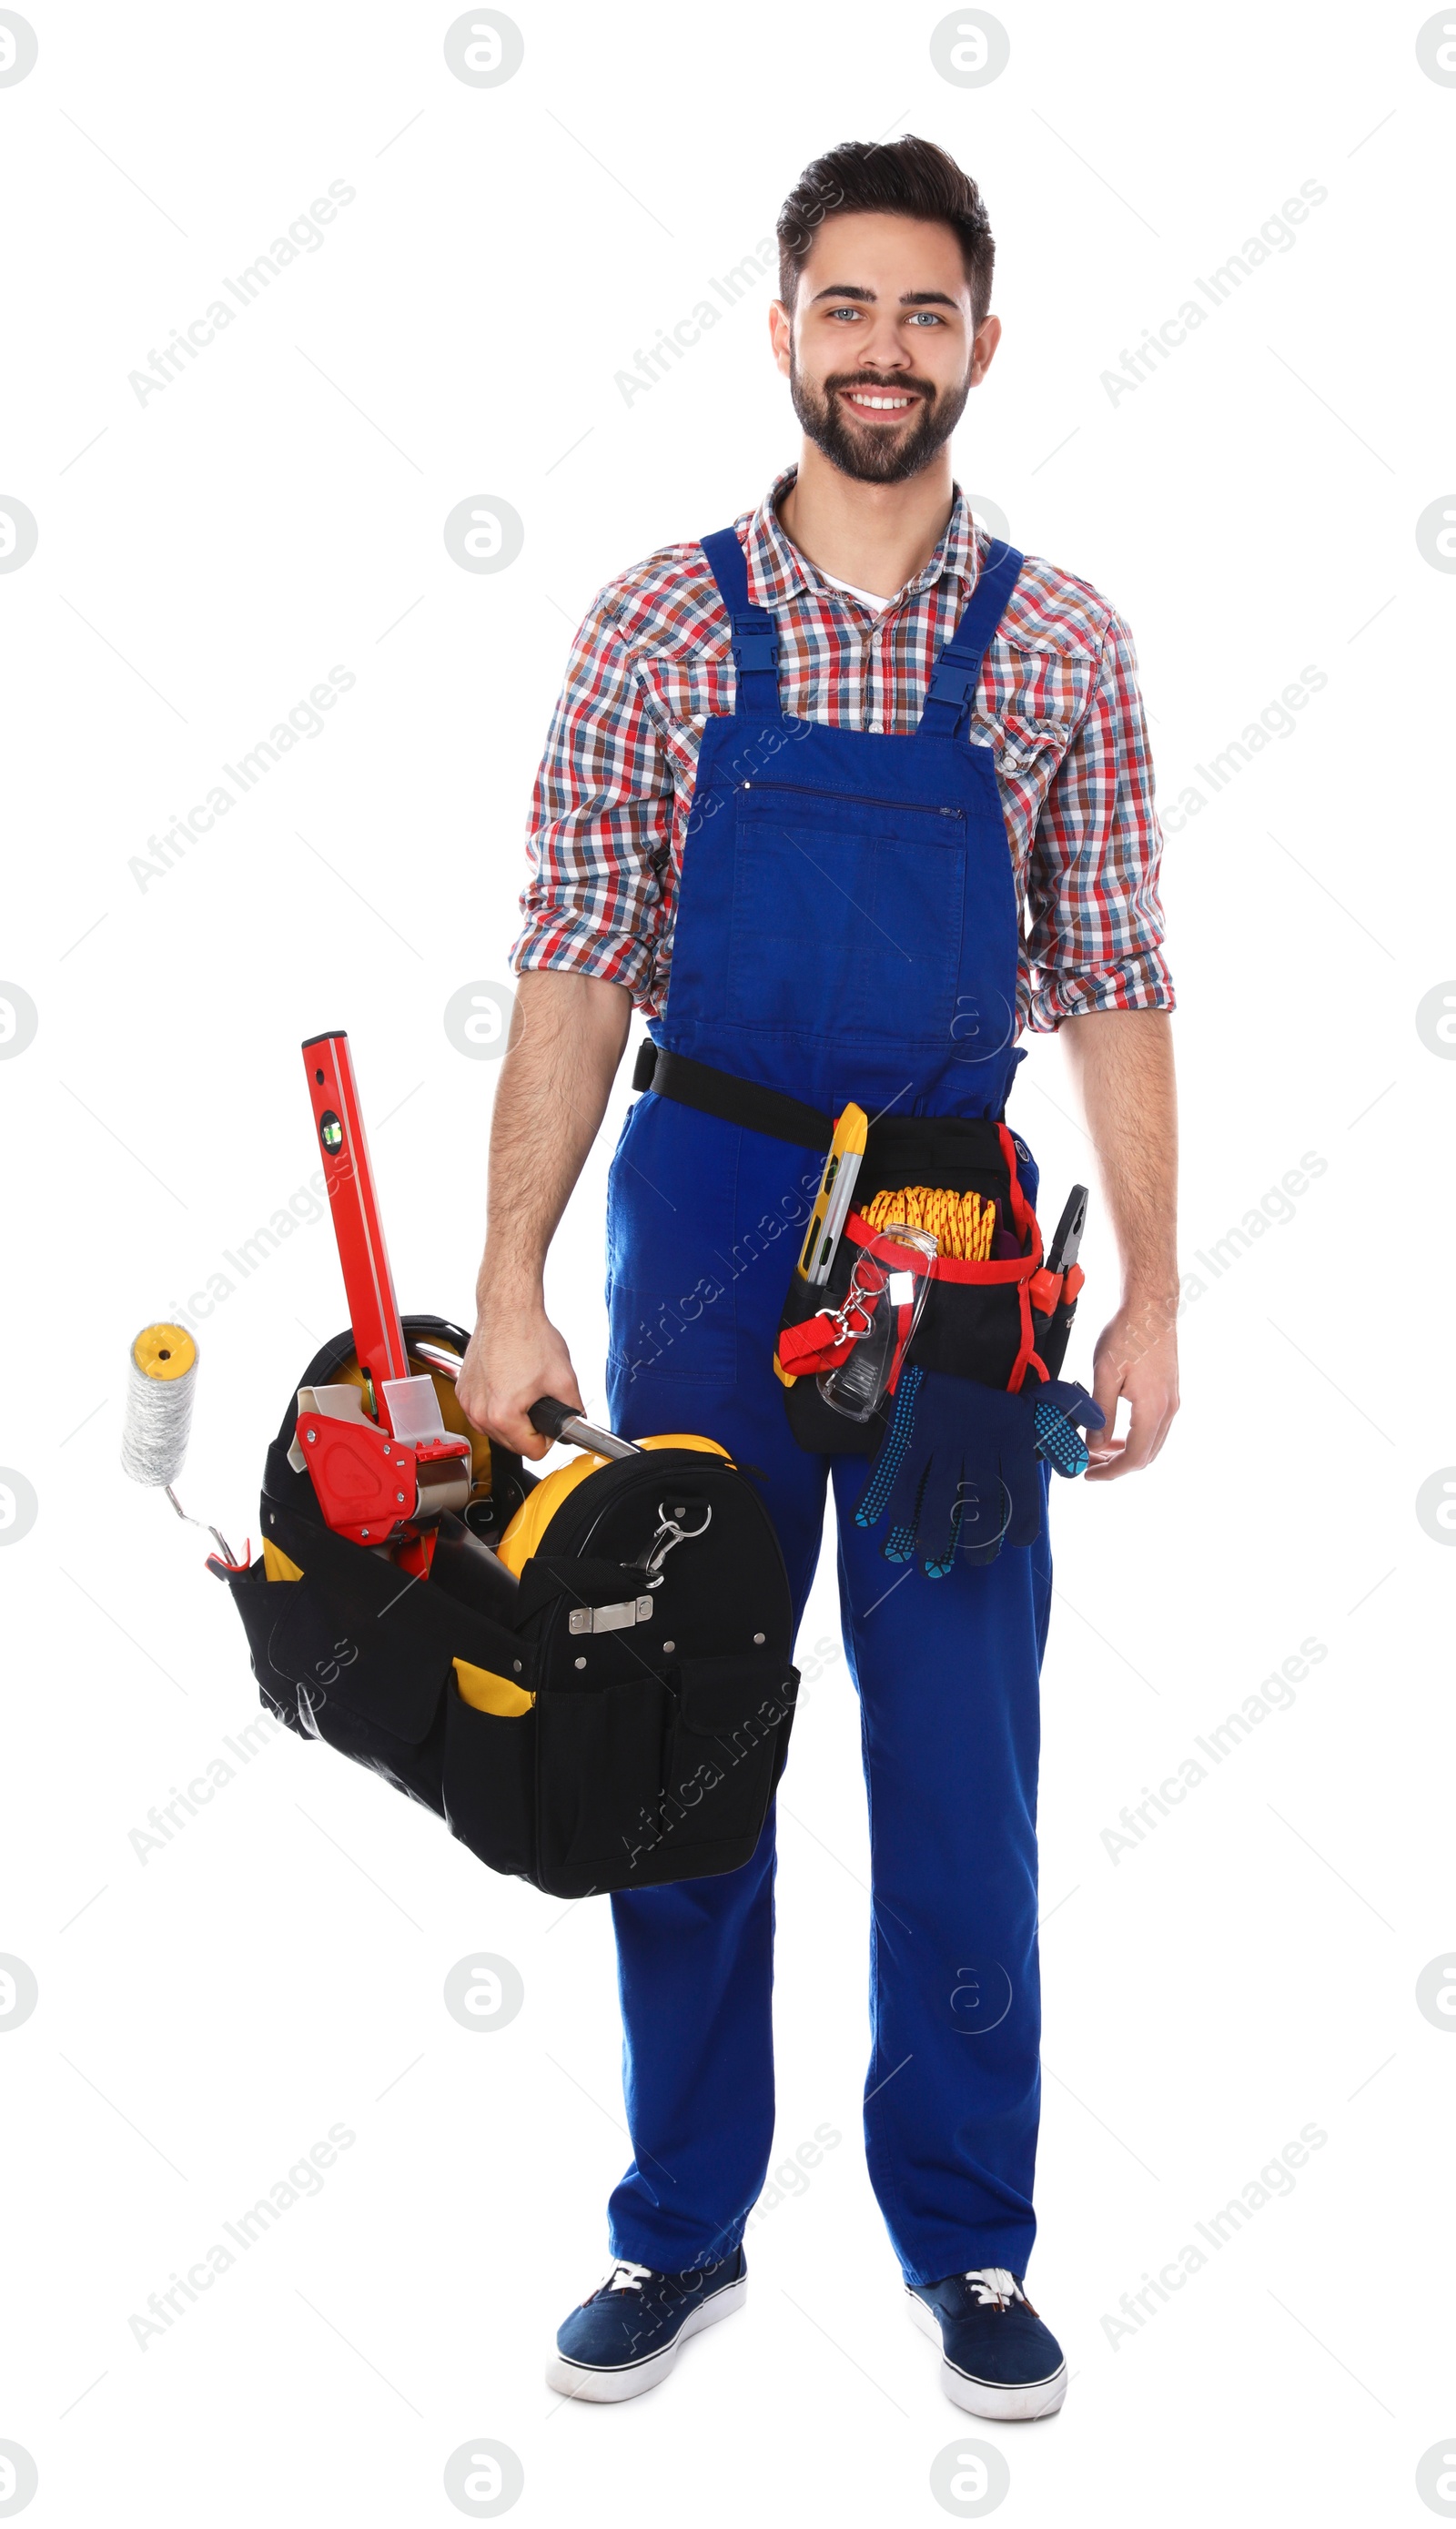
(733, 1101)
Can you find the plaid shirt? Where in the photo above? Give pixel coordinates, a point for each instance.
(1058, 702)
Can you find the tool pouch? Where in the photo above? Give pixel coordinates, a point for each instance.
(601, 1726)
(1000, 1322)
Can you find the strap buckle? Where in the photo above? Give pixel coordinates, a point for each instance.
(755, 646)
(952, 681)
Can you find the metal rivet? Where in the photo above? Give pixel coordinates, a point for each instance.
(580, 1663)
(760, 1639)
(400, 1498)
(363, 1531)
(386, 1448)
(669, 1647)
(515, 1664)
(312, 1435)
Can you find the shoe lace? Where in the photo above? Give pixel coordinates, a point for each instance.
(995, 2286)
(623, 2276)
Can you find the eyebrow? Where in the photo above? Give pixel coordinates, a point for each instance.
(907, 298)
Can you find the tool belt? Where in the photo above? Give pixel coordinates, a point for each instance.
(995, 1323)
(604, 1701)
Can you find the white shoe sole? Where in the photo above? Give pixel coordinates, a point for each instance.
(1022, 2404)
(603, 2388)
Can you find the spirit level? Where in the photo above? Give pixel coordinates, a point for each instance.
(382, 1462)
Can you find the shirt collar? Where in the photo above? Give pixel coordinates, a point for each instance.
(777, 572)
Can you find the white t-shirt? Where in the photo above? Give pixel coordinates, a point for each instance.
(867, 596)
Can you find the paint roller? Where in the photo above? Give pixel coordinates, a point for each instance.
(161, 1386)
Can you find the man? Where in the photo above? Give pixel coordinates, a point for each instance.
(730, 717)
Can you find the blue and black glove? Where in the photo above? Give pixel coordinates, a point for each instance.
(957, 1471)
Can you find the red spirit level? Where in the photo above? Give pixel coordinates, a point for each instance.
(382, 1462)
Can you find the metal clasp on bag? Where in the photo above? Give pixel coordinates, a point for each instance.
(858, 1301)
(610, 1620)
(670, 1533)
(853, 1304)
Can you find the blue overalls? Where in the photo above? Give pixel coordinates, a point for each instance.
(846, 929)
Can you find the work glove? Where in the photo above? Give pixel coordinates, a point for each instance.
(1059, 1406)
(957, 1471)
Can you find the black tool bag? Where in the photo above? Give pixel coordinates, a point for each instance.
(980, 1321)
(653, 1706)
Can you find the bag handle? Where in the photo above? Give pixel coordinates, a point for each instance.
(559, 1422)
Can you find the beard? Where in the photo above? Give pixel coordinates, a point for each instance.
(868, 451)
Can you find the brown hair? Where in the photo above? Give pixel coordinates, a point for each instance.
(910, 177)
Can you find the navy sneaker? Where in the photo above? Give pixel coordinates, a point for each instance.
(1001, 2360)
(624, 2337)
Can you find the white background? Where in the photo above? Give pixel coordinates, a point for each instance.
(203, 559)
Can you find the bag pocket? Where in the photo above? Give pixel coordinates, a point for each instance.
(723, 1758)
(259, 1605)
(376, 1673)
(304, 1649)
(600, 1757)
(490, 1783)
(976, 1324)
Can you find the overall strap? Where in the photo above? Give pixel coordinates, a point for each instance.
(755, 633)
(957, 671)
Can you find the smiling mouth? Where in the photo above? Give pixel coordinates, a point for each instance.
(888, 401)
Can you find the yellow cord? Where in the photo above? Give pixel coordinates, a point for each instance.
(962, 1223)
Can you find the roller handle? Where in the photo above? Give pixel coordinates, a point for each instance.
(559, 1422)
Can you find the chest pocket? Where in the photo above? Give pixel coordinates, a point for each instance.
(846, 918)
(1029, 752)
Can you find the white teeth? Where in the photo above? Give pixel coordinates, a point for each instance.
(880, 404)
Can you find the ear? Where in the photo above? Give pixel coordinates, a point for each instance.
(982, 350)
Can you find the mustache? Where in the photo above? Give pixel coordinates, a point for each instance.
(921, 386)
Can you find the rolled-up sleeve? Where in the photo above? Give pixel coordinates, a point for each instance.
(600, 833)
(1095, 927)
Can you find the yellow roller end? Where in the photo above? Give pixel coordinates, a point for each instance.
(164, 1351)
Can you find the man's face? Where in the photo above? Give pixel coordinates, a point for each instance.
(882, 350)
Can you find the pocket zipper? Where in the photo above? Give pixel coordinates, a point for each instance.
(856, 798)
